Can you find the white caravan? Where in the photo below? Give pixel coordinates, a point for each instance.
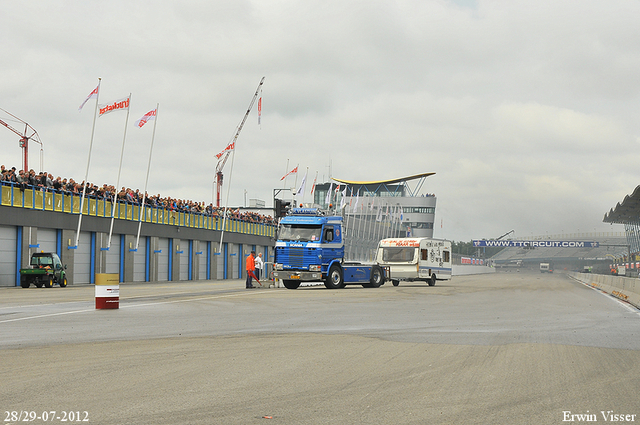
(412, 259)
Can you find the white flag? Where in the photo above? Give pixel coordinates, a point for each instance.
(92, 95)
(327, 200)
(151, 115)
(343, 201)
(303, 184)
(118, 105)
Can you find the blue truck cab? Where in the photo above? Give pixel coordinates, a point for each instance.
(310, 247)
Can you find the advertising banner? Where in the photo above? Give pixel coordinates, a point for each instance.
(536, 244)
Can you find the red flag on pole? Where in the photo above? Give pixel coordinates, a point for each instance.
(231, 146)
(253, 276)
(294, 171)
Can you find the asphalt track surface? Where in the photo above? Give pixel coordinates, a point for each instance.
(509, 348)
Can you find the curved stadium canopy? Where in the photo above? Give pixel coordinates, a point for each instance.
(627, 212)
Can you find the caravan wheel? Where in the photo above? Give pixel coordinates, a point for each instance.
(432, 281)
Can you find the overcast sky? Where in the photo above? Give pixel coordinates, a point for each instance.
(525, 110)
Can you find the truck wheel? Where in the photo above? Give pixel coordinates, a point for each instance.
(432, 281)
(49, 282)
(24, 282)
(291, 284)
(335, 279)
(376, 277)
(63, 284)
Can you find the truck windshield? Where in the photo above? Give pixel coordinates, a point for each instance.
(300, 232)
(398, 255)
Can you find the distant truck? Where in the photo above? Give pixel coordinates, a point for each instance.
(46, 270)
(310, 247)
(546, 268)
(415, 259)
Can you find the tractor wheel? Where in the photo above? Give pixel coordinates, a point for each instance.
(24, 282)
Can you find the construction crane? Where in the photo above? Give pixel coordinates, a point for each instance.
(29, 133)
(506, 234)
(223, 159)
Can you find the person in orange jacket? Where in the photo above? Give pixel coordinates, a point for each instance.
(251, 267)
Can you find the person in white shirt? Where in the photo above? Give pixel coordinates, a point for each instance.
(259, 264)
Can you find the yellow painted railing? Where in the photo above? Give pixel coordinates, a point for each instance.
(13, 196)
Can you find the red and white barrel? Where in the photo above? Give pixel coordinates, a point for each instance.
(107, 290)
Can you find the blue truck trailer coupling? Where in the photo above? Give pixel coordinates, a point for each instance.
(310, 248)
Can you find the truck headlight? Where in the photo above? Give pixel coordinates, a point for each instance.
(314, 268)
(277, 266)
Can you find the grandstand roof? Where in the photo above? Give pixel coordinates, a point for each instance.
(626, 212)
(398, 180)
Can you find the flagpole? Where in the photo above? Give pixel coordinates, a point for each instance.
(113, 207)
(369, 236)
(233, 155)
(295, 184)
(226, 202)
(286, 174)
(304, 183)
(86, 174)
(347, 229)
(144, 194)
(313, 187)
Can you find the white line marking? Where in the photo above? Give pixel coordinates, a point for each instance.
(129, 306)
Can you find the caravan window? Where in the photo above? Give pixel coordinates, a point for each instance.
(398, 255)
(424, 254)
(445, 256)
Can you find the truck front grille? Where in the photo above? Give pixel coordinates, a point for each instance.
(296, 257)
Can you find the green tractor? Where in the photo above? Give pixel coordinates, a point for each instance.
(46, 270)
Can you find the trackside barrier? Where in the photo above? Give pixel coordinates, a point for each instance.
(107, 291)
(624, 288)
(468, 269)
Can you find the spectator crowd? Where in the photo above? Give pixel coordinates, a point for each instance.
(45, 181)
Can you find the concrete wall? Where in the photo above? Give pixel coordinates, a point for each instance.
(624, 288)
(466, 269)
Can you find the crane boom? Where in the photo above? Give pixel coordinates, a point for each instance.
(506, 234)
(29, 134)
(223, 160)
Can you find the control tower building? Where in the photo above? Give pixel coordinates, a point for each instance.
(375, 210)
